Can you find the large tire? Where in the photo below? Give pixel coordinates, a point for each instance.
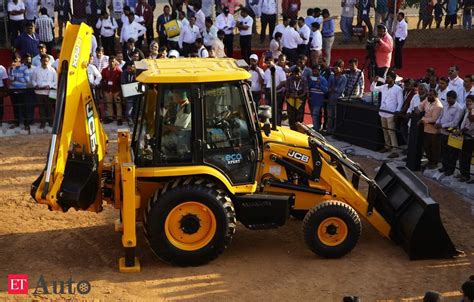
(332, 229)
(189, 221)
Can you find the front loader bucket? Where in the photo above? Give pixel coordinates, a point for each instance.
(412, 213)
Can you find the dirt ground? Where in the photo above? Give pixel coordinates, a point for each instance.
(272, 265)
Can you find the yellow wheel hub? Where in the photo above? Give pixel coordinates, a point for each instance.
(332, 231)
(190, 226)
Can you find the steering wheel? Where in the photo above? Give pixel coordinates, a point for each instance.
(221, 117)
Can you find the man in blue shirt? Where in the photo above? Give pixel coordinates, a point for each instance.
(20, 77)
(336, 88)
(451, 15)
(328, 34)
(28, 41)
(318, 86)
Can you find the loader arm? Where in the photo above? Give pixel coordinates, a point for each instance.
(74, 165)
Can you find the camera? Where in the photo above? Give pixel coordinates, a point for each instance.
(370, 47)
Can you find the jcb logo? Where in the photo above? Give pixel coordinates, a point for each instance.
(91, 126)
(298, 156)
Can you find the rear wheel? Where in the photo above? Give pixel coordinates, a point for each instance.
(332, 229)
(189, 222)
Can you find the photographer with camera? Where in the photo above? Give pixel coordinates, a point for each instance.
(383, 51)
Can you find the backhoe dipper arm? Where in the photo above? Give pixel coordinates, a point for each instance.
(74, 164)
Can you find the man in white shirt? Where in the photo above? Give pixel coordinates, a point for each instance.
(187, 38)
(200, 17)
(468, 88)
(244, 25)
(280, 82)
(218, 48)
(131, 29)
(101, 61)
(209, 34)
(93, 74)
(275, 45)
(201, 50)
(316, 45)
(107, 26)
(36, 61)
(16, 13)
(289, 41)
(44, 79)
(256, 79)
(226, 22)
(450, 118)
(305, 33)
(280, 28)
(392, 101)
(31, 10)
(269, 9)
(442, 90)
(401, 33)
(456, 83)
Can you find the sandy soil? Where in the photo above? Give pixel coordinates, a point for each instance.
(269, 265)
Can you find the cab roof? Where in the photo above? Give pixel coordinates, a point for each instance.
(190, 70)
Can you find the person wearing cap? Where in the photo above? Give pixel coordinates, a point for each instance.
(218, 48)
(36, 62)
(188, 36)
(383, 51)
(244, 25)
(226, 22)
(256, 79)
(132, 30)
(107, 26)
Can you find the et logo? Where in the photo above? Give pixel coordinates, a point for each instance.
(17, 284)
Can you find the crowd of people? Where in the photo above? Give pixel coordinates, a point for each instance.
(299, 49)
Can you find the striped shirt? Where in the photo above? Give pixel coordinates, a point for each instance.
(20, 77)
(45, 26)
(101, 62)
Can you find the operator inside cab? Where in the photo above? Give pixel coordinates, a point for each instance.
(176, 133)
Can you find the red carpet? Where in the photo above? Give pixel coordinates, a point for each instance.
(416, 60)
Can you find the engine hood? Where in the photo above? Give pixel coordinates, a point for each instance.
(287, 136)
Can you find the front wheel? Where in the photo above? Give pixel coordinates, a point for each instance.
(189, 222)
(332, 229)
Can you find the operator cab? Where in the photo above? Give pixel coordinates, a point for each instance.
(211, 124)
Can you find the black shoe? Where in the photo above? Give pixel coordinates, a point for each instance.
(393, 155)
(42, 125)
(441, 170)
(448, 173)
(119, 123)
(464, 179)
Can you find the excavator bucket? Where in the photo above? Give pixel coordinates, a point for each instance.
(405, 202)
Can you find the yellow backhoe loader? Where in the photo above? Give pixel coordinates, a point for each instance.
(200, 158)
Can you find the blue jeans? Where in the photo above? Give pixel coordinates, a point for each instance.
(316, 114)
(466, 21)
(346, 28)
(331, 117)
